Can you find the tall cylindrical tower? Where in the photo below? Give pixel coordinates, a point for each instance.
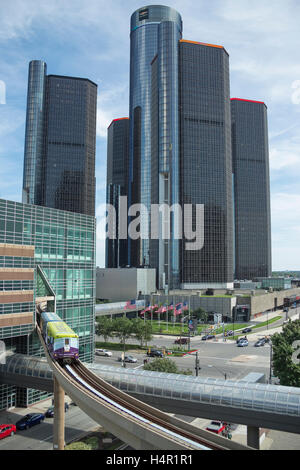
(32, 174)
(155, 34)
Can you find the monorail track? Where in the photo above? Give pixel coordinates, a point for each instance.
(124, 415)
(191, 441)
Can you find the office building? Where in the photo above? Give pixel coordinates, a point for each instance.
(155, 34)
(46, 255)
(116, 186)
(206, 164)
(59, 158)
(250, 155)
(180, 156)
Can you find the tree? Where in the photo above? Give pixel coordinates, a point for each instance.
(104, 328)
(200, 314)
(123, 328)
(165, 365)
(284, 365)
(142, 331)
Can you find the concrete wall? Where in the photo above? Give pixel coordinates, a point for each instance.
(122, 284)
(269, 301)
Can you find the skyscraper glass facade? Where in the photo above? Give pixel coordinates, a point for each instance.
(62, 244)
(59, 161)
(116, 186)
(180, 154)
(34, 135)
(251, 189)
(155, 30)
(206, 164)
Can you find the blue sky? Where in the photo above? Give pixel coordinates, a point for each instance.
(91, 39)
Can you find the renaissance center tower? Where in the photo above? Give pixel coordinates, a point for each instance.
(155, 34)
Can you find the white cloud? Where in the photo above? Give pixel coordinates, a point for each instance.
(286, 157)
(285, 230)
(112, 103)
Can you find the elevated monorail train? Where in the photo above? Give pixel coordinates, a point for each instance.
(61, 341)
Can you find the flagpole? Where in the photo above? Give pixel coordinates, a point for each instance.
(168, 312)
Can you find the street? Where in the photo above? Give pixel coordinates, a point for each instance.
(216, 358)
(40, 437)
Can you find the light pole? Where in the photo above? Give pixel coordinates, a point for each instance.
(197, 362)
(271, 352)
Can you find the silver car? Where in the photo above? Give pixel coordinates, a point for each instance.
(128, 359)
(103, 352)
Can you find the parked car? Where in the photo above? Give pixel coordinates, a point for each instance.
(50, 412)
(154, 353)
(29, 420)
(229, 333)
(128, 359)
(103, 352)
(260, 342)
(205, 337)
(7, 430)
(242, 343)
(181, 341)
(216, 426)
(246, 330)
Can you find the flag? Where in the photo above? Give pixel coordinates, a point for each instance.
(170, 307)
(164, 308)
(178, 310)
(185, 306)
(130, 304)
(147, 309)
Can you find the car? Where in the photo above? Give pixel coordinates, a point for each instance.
(103, 352)
(242, 343)
(29, 420)
(260, 342)
(155, 353)
(229, 333)
(7, 430)
(181, 341)
(216, 426)
(128, 359)
(50, 412)
(246, 330)
(205, 337)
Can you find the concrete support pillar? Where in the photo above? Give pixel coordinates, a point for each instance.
(59, 417)
(253, 437)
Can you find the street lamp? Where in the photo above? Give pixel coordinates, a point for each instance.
(197, 362)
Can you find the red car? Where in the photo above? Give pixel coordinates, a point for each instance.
(7, 430)
(216, 426)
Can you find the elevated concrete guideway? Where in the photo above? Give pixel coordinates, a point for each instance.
(114, 308)
(241, 402)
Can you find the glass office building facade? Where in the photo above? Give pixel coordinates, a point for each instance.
(206, 164)
(35, 243)
(180, 154)
(251, 189)
(34, 134)
(60, 140)
(116, 186)
(155, 32)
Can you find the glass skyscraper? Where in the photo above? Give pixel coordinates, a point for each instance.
(44, 253)
(59, 159)
(116, 186)
(206, 164)
(180, 156)
(250, 154)
(155, 34)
